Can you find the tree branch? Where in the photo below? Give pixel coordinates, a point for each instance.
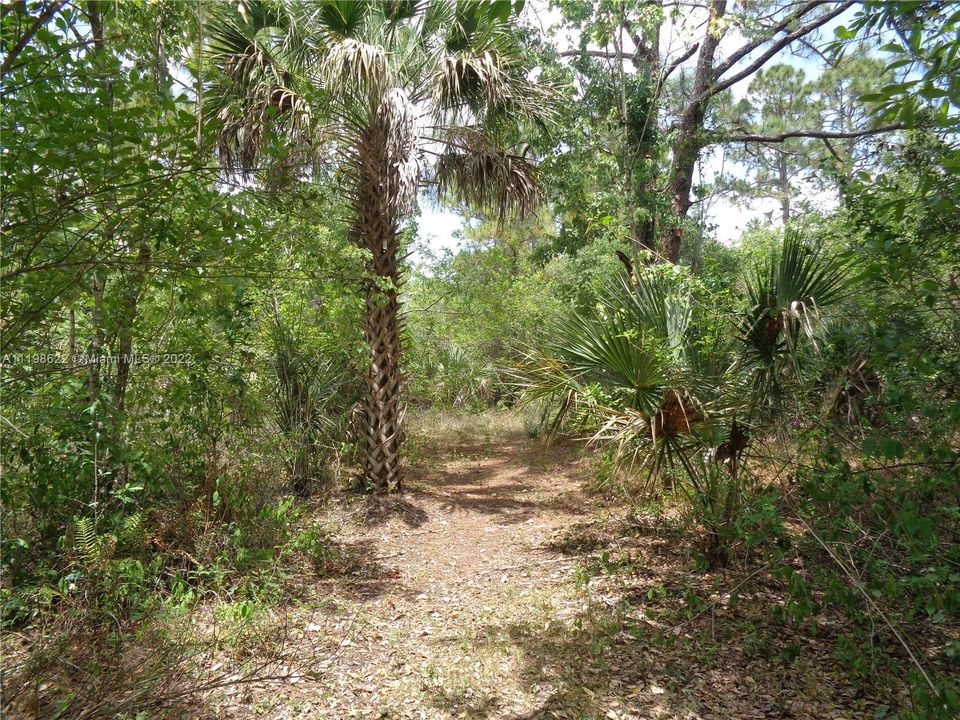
(772, 50)
(828, 61)
(597, 53)
(674, 64)
(820, 134)
(836, 155)
(745, 50)
(606, 55)
(42, 19)
(643, 50)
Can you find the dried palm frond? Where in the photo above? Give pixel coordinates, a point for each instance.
(353, 66)
(470, 80)
(479, 172)
(244, 122)
(257, 90)
(653, 443)
(677, 414)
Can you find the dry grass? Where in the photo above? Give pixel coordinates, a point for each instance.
(439, 426)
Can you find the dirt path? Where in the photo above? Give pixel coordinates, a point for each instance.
(458, 572)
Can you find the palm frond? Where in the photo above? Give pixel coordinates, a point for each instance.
(474, 169)
(609, 352)
(343, 18)
(653, 442)
(357, 67)
(540, 377)
(471, 80)
(398, 11)
(256, 90)
(656, 303)
(478, 71)
(397, 119)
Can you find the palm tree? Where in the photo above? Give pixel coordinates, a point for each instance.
(387, 97)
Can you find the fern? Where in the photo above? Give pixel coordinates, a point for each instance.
(132, 532)
(93, 550)
(85, 541)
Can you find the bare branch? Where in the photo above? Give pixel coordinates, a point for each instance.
(771, 51)
(606, 55)
(633, 57)
(820, 134)
(674, 64)
(828, 61)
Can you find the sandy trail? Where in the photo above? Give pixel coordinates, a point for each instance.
(459, 571)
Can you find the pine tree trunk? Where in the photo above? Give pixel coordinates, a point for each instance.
(784, 187)
(377, 229)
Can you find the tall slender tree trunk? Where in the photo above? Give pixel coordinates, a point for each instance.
(784, 183)
(97, 284)
(376, 228)
(629, 153)
(688, 138)
(646, 61)
(131, 302)
(97, 288)
(70, 359)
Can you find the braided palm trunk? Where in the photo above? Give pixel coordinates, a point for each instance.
(376, 228)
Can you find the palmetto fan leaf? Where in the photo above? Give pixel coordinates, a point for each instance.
(654, 302)
(342, 18)
(661, 383)
(608, 352)
(785, 299)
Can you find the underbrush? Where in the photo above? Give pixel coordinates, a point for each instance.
(855, 566)
(134, 609)
(444, 426)
(78, 664)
